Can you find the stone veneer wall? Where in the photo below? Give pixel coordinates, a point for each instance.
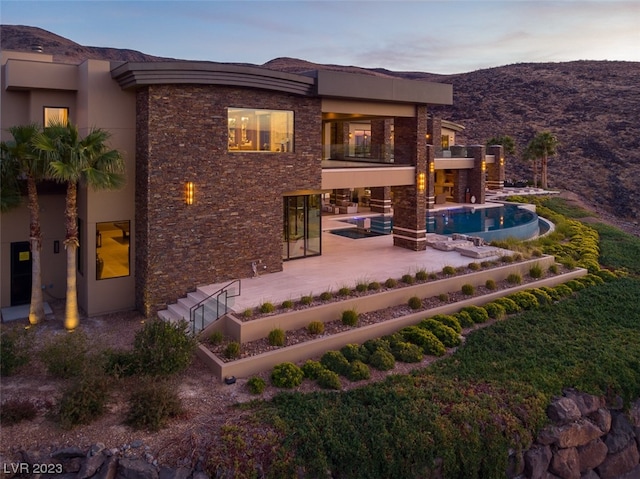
(237, 215)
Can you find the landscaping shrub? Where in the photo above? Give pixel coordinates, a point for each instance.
(544, 299)
(575, 285)
(422, 275)
(506, 258)
(444, 297)
(382, 360)
(216, 338)
(449, 320)
(247, 313)
(306, 300)
(315, 327)
(311, 368)
(326, 296)
(517, 257)
(407, 352)
(267, 308)
(490, 284)
(355, 352)
(328, 380)
(344, 291)
(15, 350)
(525, 300)
(65, 355)
(429, 343)
(468, 289)
(464, 319)
(474, 266)
(445, 334)
(391, 283)
(152, 404)
(393, 339)
(553, 269)
(256, 385)
(595, 278)
(514, 278)
(336, 362)
(606, 275)
(408, 279)
(13, 411)
(286, 375)
(118, 363)
(277, 337)
(433, 276)
(374, 286)
(232, 351)
(586, 280)
(478, 314)
(163, 348)
(448, 271)
(350, 317)
(509, 305)
(552, 292)
(535, 271)
(415, 302)
(83, 400)
(361, 287)
(495, 310)
(287, 304)
(358, 371)
(372, 345)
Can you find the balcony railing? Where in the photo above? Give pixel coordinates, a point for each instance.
(367, 153)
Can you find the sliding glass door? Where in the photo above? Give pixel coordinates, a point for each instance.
(302, 228)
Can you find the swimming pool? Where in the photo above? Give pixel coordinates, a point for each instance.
(493, 223)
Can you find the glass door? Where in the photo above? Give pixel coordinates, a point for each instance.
(302, 227)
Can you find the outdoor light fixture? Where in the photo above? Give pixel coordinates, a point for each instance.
(432, 167)
(501, 160)
(484, 165)
(189, 191)
(422, 182)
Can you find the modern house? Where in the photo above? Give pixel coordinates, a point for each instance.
(228, 167)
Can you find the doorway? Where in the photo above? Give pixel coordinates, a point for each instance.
(20, 273)
(302, 227)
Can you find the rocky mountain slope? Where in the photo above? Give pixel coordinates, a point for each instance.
(593, 107)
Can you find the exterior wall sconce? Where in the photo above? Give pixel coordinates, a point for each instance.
(432, 167)
(484, 166)
(502, 161)
(189, 192)
(421, 182)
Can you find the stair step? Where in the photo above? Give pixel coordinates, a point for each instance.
(179, 311)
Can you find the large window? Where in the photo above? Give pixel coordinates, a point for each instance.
(112, 249)
(55, 115)
(260, 130)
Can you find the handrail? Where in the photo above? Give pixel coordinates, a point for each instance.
(221, 294)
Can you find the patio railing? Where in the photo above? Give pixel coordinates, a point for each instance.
(213, 307)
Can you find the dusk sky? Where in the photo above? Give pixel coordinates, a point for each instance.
(431, 36)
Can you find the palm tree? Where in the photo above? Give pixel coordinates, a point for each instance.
(75, 160)
(543, 146)
(529, 154)
(19, 160)
(507, 142)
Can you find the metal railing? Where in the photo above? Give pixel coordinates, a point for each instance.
(213, 307)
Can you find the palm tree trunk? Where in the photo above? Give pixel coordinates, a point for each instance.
(543, 178)
(36, 308)
(71, 316)
(535, 172)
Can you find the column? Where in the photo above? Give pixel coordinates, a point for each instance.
(477, 176)
(381, 140)
(380, 202)
(495, 170)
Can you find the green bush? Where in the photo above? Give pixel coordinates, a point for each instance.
(216, 338)
(267, 308)
(552, 292)
(586, 280)
(382, 360)
(525, 300)
(429, 343)
(361, 287)
(256, 385)
(495, 310)
(506, 258)
(350, 317)
(415, 302)
(306, 300)
(407, 352)
(374, 286)
(15, 350)
(509, 305)
(468, 289)
(514, 278)
(448, 271)
(287, 304)
(408, 279)
(391, 283)
(358, 371)
(478, 314)
(595, 278)
(311, 369)
(490, 284)
(344, 291)
(474, 266)
(119, 363)
(277, 337)
(336, 362)
(444, 297)
(606, 275)
(355, 352)
(449, 320)
(232, 351)
(575, 285)
(163, 348)
(328, 380)
(464, 318)
(326, 296)
(553, 269)
(315, 327)
(535, 271)
(422, 275)
(445, 334)
(286, 375)
(14, 411)
(544, 299)
(152, 404)
(247, 313)
(372, 345)
(83, 400)
(65, 355)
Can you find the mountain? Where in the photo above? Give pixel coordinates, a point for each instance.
(591, 106)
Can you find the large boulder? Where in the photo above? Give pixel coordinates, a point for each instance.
(536, 462)
(615, 465)
(565, 463)
(563, 411)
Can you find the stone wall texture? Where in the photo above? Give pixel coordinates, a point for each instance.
(237, 215)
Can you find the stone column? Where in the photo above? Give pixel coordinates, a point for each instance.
(477, 176)
(339, 140)
(341, 198)
(381, 140)
(434, 135)
(380, 202)
(495, 170)
(410, 205)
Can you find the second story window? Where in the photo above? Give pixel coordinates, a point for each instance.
(55, 115)
(260, 130)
